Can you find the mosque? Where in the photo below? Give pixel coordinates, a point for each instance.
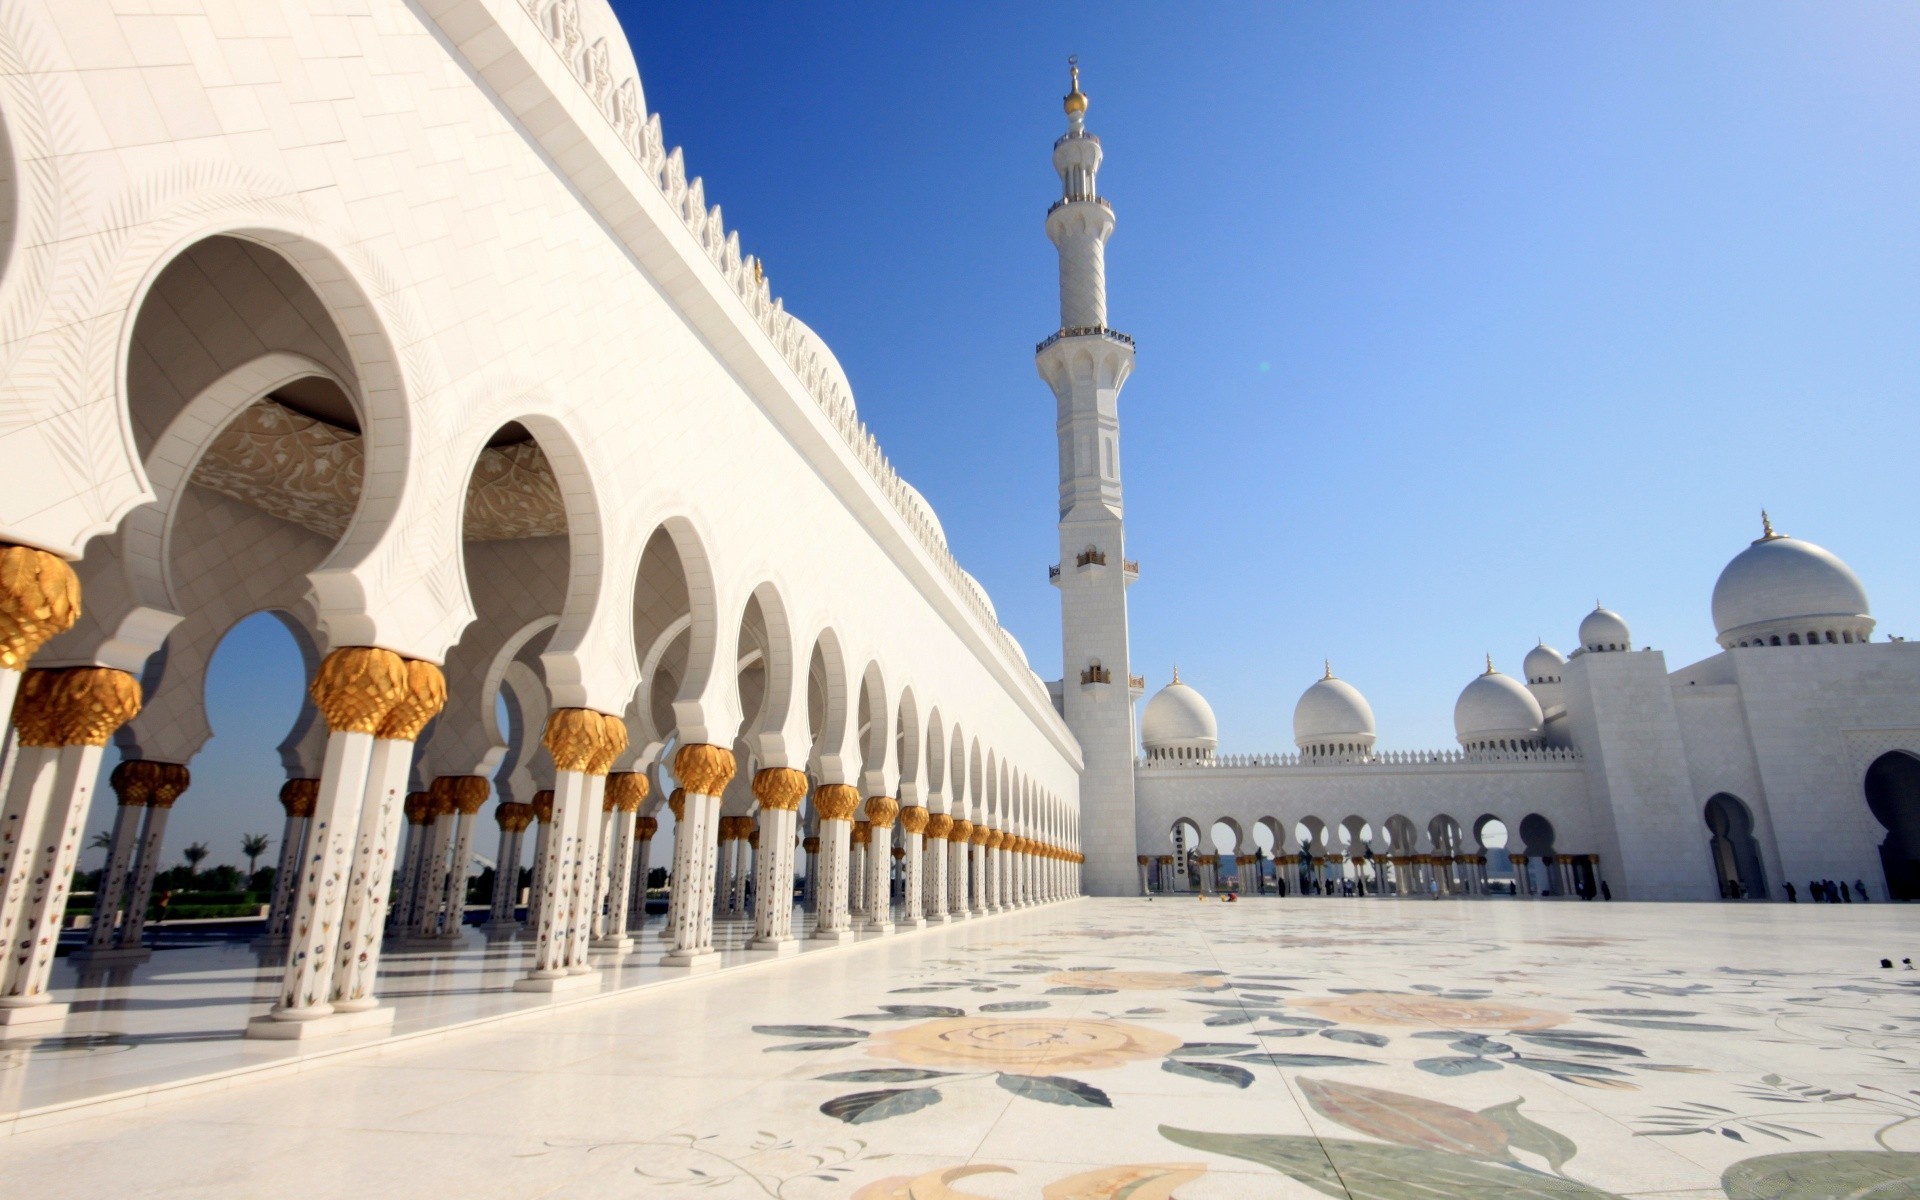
(408, 327)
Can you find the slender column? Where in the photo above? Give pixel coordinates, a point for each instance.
(676, 886)
(418, 811)
(470, 795)
(703, 772)
(430, 889)
(859, 841)
(810, 896)
(993, 898)
(750, 889)
(363, 922)
(583, 744)
(39, 597)
(779, 790)
(512, 818)
(69, 718)
(913, 827)
(542, 841)
(835, 803)
(643, 831)
(934, 880)
(963, 883)
(297, 797)
(881, 811)
(132, 783)
(608, 840)
(626, 791)
(153, 834)
(355, 688)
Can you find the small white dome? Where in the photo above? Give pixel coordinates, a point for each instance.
(1332, 713)
(1781, 587)
(1495, 708)
(926, 510)
(980, 591)
(1544, 664)
(1178, 721)
(598, 22)
(1604, 630)
(828, 360)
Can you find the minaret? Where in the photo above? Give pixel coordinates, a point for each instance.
(1086, 364)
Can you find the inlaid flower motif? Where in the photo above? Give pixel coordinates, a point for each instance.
(1036, 1046)
(1138, 981)
(1135, 1181)
(1434, 1012)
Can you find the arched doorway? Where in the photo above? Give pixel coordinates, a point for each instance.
(1536, 834)
(1736, 856)
(1893, 793)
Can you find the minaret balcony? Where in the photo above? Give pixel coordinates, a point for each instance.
(1096, 674)
(1137, 684)
(1064, 201)
(1091, 558)
(1080, 135)
(1130, 567)
(1100, 331)
(1053, 573)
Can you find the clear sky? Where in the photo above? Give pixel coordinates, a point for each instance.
(1452, 318)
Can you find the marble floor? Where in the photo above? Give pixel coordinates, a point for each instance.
(1128, 1048)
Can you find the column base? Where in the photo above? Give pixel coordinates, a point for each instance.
(834, 935)
(31, 1020)
(939, 918)
(617, 945)
(505, 926)
(331, 1025)
(691, 960)
(914, 923)
(559, 983)
(881, 928)
(779, 946)
(116, 955)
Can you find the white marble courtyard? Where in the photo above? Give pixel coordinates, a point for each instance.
(1172, 1047)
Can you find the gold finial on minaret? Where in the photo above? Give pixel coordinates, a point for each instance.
(1076, 101)
(1767, 533)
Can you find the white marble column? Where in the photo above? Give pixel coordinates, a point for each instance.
(470, 795)
(626, 791)
(963, 895)
(643, 832)
(779, 790)
(810, 893)
(881, 811)
(859, 845)
(583, 744)
(132, 786)
(297, 797)
(835, 802)
(512, 819)
(934, 904)
(542, 842)
(430, 888)
(39, 598)
(153, 836)
(703, 772)
(913, 828)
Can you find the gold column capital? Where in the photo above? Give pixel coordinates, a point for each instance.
(300, 796)
(627, 790)
(914, 819)
(962, 831)
(810, 845)
(780, 788)
(132, 782)
(939, 825)
(881, 810)
(418, 806)
(646, 827)
(74, 706)
(170, 782)
(677, 801)
(702, 769)
(836, 801)
(39, 597)
(543, 805)
(862, 833)
(584, 740)
(357, 686)
(426, 696)
(470, 793)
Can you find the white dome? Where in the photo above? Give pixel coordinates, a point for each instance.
(835, 372)
(1605, 630)
(926, 510)
(1495, 707)
(1332, 712)
(1781, 587)
(1179, 719)
(1544, 664)
(981, 592)
(597, 23)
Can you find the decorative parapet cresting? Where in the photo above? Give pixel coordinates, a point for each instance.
(1112, 335)
(559, 23)
(1383, 758)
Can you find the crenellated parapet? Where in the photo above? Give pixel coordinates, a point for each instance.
(1377, 759)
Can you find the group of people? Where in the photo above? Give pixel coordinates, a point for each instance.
(1826, 891)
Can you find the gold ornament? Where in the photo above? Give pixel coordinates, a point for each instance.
(440, 796)
(836, 801)
(132, 782)
(426, 696)
(811, 845)
(780, 789)
(504, 815)
(914, 819)
(74, 706)
(470, 792)
(645, 828)
(169, 782)
(753, 838)
(678, 803)
(357, 686)
(614, 745)
(703, 770)
(962, 832)
(418, 806)
(543, 805)
(862, 833)
(627, 791)
(33, 723)
(939, 825)
(881, 810)
(579, 739)
(39, 597)
(300, 796)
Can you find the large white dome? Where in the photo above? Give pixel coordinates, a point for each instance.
(1544, 664)
(1332, 713)
(1604, 630)
(1782, 590)
(1179, 723)
(1496, 708)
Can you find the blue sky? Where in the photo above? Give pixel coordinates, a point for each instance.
(1452, 318)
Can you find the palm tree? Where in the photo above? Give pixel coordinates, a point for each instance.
(101, 841)
(193, 854)
(253, 845)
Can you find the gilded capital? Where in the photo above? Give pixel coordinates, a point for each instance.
(677, 801)
(357, 686)
(862, 833)
(170, 781)
(835, 801)
(914, 819)
(939, 825)
(962, 831)
(132, 782)
(300, 796)
(646, 827)
(627, 791)
(426, 696)
(703, 770)
(881, 811)
(440, 796)
(39, 597)
(753, 837)
(810, 845)
(584, 740)
(418, 806)
(74, 706)
(614, 745)
(543, 805)
(504, 815)
(470, 792)
(780, 788)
